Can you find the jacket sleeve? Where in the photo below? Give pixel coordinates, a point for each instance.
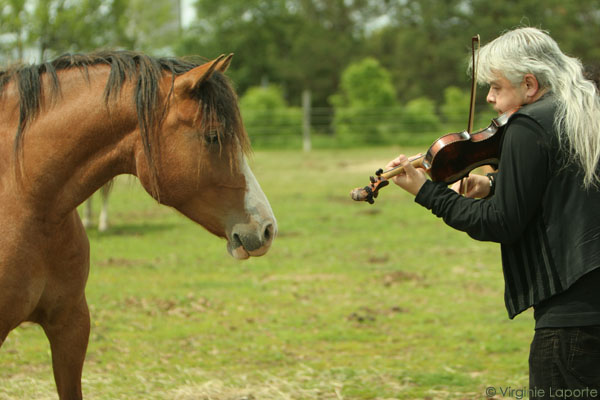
(522, 177)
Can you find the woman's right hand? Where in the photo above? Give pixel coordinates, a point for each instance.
(473, 186)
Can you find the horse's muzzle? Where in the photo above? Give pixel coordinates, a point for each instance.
(251, 239)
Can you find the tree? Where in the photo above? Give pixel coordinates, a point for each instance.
(151, 26)
(573, 24)
(365, 106)
(425, 46)
(419, 116)
(299, 44)
(268, 119)
(13, 19)
(455, 108)
(305, 44)
(426, 43)
(58, 26)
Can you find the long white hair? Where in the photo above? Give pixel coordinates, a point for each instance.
(532, 51)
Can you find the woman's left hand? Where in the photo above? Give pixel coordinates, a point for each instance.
(411, 179)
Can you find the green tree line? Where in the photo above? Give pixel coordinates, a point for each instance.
(306, 44)
(47, 28)
(367, 54)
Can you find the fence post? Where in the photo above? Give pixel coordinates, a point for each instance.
(306, 144)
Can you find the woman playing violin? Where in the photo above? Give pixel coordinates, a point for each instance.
(542, 206)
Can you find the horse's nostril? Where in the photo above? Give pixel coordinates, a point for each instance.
(254, 241)
(268, 234)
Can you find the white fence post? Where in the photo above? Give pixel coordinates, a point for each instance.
(306, 143)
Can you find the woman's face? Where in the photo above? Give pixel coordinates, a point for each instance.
(503, 96)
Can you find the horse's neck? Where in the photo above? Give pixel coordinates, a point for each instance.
(77, 144)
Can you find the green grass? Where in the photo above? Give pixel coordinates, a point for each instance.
(352, 302)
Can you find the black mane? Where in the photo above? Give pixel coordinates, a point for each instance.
(216, 96)
(124, 65)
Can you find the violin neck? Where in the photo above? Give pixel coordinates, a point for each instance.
(416, 161)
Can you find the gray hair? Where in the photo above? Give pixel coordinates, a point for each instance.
(532, 51)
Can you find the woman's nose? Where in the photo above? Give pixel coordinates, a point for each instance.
(490, 97)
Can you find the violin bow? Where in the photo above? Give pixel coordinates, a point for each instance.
(474, 51)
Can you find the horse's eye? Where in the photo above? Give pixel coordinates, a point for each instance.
(211, 137)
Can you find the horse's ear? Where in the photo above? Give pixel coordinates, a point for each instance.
(191, 80)
(224, 63)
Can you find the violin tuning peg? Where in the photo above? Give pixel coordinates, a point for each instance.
(379, 172)
(372, 179)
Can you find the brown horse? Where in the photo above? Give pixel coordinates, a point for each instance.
(66, 128)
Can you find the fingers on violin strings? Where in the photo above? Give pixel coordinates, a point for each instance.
(400, 160)
(408, 167)
(393, 163)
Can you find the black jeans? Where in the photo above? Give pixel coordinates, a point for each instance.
(564, 363)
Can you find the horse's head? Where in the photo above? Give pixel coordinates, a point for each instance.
(199, 166)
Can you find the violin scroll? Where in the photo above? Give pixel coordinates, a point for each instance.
(381, 180)
(369, 193)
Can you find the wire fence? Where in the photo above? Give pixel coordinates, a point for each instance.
(347, 126)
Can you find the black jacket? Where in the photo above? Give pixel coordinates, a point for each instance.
(547, 224)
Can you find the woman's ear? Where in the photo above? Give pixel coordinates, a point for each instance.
(532, 87)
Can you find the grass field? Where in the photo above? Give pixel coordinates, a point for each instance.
(352, 302)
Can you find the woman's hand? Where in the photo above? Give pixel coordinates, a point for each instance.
(411, 179)
(474, 186)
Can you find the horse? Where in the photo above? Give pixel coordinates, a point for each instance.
(70, 125)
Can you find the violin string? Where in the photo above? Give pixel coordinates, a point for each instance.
(410, 160)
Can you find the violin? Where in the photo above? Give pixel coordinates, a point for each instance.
(449, 159)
